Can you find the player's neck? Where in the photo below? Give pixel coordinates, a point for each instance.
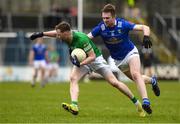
(69, 40)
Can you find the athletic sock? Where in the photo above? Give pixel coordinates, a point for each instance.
(134, 100)
(146, 101)
(74, 103)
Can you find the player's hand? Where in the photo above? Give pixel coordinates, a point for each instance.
(36, 35)
(70, 51)
(75, 61)
(147, 42)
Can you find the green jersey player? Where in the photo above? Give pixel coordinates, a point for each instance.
(94, 62)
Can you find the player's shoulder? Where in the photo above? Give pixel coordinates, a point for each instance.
(44, 46)
(80, 36)
(35, 45)
(121, 20)
(77, 33)
(101, 25)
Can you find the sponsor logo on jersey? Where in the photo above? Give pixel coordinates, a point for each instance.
(119, 31)
(87, 47)
(119, 24)
(103, 27)
(113, 40)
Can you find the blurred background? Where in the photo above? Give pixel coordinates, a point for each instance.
(19, 18)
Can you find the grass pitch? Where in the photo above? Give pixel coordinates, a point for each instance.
(98, 101)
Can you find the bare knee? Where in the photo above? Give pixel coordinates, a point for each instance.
(135, 75)
(113, 81)
(73, 79)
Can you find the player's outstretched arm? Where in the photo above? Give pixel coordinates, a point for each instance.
(52, 33)
(36, 35)
(146, 30)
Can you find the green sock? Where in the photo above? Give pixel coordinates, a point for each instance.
(74, 102)
(134, 100)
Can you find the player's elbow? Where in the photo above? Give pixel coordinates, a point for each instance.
(93, 57)
(145, 27)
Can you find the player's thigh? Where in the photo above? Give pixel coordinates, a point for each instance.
(107, 74)
(134, 64)
(43, 65)
(128, 74)
(77, 73)
(35, 71)
(36, 64)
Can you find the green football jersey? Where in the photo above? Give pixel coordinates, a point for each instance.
(53, 56)
(81, 40)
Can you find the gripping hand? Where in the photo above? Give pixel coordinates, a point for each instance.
(147, 42)
(75, 61)
(36, 35)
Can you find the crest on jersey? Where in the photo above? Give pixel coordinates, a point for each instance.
(102, 27)
(119, 24)
(112, 32)
(119, 31)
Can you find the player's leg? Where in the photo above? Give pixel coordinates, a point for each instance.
(43, 69)
(102, 68)
(153, 81)
(75, 76)
(35, 73)
(148, 80)
(49, 73)
(55, 70)
(134, 66)
(43, 76)
(109, 76)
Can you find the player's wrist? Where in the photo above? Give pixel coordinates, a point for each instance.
(41, 34)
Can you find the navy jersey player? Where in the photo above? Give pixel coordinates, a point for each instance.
(114, 32)
(37, 58)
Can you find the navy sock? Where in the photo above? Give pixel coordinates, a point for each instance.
(146, 101)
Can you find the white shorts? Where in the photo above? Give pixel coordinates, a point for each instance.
(97, 64)
(53, 66)
(39, 64)
(123, 65)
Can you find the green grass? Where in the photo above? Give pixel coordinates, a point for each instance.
(98, 101)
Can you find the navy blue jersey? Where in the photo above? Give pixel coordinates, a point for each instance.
(39, 51)
(116, 38)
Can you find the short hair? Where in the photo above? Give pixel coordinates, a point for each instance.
(63, 26)
(109, 8)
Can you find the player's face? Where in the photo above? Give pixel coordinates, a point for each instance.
(39, 40)
(108, 19)
(65, 36)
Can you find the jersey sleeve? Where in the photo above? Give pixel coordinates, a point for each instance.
(128, 25)
(96, 31)
(86, 46)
